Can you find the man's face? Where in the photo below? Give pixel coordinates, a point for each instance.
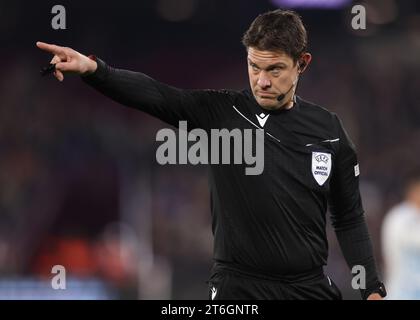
(271, 73)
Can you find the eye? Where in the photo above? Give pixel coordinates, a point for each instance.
(255, 68)
(276, 71)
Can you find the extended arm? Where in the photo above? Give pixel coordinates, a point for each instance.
(137, 90)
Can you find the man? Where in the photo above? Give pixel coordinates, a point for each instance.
(401, 245)
(269, 230)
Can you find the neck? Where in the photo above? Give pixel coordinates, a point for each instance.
(289, 104)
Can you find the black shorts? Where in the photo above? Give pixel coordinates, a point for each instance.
(227, 283)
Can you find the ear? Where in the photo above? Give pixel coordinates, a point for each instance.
(304, 61)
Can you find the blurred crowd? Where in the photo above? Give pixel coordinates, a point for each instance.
(79, 182)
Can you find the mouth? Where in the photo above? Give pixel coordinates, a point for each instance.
(264, 95)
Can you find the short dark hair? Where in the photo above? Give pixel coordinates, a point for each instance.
(278, 30)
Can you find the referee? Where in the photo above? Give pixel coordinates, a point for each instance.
(270, 229)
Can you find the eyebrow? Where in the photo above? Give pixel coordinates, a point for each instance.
(270, 67)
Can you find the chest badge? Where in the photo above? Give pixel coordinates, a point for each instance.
(321, 166)
(262, 118)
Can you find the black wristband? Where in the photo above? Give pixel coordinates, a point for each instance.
(380, 289)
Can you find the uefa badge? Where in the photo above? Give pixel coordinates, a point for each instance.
(321, 166)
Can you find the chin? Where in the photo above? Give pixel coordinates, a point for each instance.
(268, 104)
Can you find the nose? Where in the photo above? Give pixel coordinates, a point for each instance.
(263, 81)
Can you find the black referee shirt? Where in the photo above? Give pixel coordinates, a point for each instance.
(273, 223)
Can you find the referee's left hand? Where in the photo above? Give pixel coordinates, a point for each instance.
(375, 296)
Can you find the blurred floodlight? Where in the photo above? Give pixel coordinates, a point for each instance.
(381, 12)
(312, 4)
(176, 10)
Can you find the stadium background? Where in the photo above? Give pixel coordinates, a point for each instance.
(79, 183)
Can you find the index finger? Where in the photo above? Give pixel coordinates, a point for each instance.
(52, 48)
